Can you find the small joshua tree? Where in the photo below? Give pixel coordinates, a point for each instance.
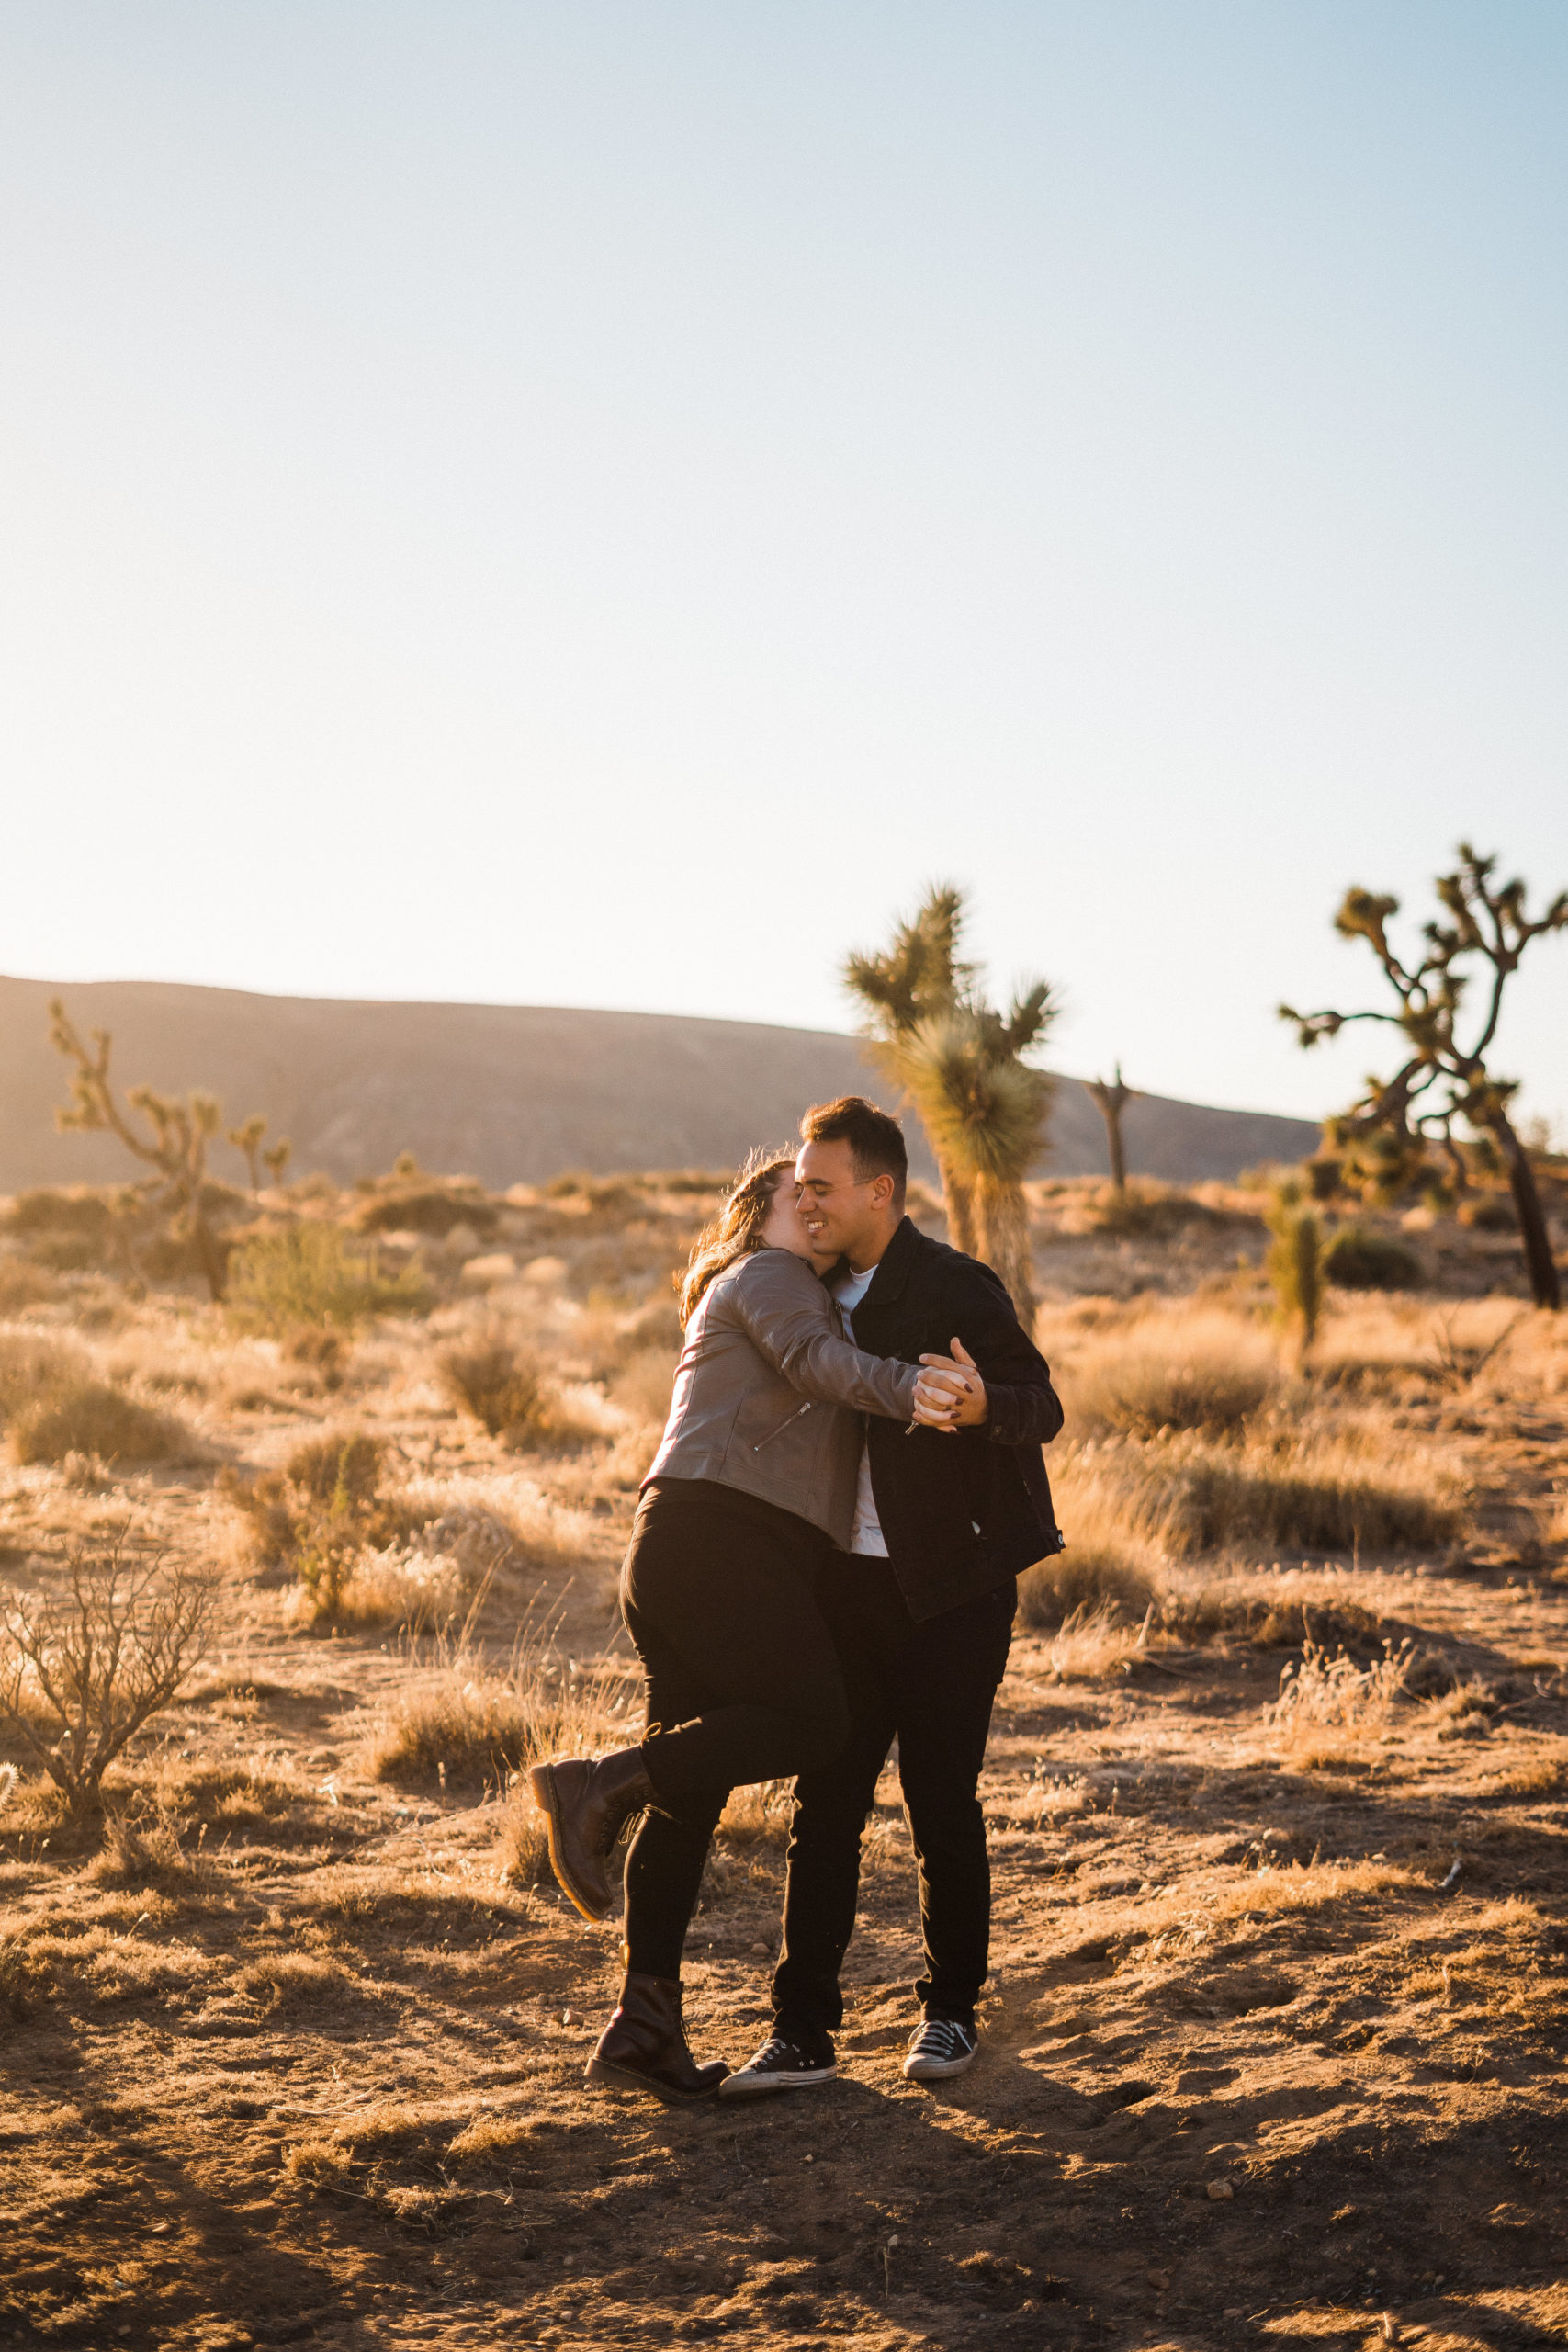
(1443, 1075)
(1113, 1101)
(93, 1663)
(1295, 1261)
(172, 1139)
(247, 1140)
(276, 1158)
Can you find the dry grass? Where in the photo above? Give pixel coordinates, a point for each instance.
(1196, 1372)
(466, 1722)
(1095, 1644)
(1331, 1708)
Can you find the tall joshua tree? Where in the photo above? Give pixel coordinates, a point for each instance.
(962, 1065)
(172, 1139)
(1443, 1075)
(919, 977)
(1113, 1101)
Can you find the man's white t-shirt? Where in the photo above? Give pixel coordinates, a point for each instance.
(867, 1539)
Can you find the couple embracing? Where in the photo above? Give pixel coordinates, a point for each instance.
(824, 1560)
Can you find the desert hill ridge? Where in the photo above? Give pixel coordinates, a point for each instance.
(513, 1094)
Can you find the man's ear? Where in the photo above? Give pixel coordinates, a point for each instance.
(882, 1189)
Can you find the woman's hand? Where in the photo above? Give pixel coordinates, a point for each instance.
(965, 1390)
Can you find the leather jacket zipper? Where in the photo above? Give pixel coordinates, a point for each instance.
(795, 1416)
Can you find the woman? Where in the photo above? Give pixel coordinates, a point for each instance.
(753, 1483)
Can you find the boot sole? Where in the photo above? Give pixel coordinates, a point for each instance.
(542, 1781)
(765, 2085)
(610, 2076)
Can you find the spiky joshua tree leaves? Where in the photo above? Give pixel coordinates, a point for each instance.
(172, 1137)
(963, 1065)
(1447, 1035)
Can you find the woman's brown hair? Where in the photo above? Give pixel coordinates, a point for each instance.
(737, 1230)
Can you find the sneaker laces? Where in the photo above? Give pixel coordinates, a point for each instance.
(942, 2038)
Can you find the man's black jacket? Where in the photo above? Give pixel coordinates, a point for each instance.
(959, 1514)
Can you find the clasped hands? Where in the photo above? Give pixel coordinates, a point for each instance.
(950, 1394)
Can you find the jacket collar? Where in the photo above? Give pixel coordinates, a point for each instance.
(893, 1266)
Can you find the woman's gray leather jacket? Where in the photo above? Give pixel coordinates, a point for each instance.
(768, 1391)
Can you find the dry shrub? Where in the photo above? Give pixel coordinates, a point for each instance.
(84, 1667)
(1080, 1581)
(1093, 1644)
(757, 1816)
(468, 1721)
(23, 1284)
(321, 1515)
(90, 1417)
(308, 1274)
(1358, 1259)
(23, 1980)
(1322, 1695)
(643, 1387)
(1204, 1373)
(147, 1852)
(502, 1385)
(1290, 1490)
(293, 1981)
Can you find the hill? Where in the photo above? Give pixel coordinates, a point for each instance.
(514, 1093)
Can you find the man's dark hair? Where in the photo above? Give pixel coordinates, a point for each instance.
(875, 1140)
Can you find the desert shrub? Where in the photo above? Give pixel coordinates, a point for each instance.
(463, 1720)
(1319, 1694)
(320, 1350)
(89, 1418)
(1290, 1503)
(1489, 1213)
(435, 1209)
(1204, 1373)
(32, 1367)
(307, 1273)
(22, 1284)
(294, 1980)
(757, 1816)
(1092, 1643)
(1080, 1581)
(1358, 1260)
(95, 1660)
(644, 1384)
(320, 1515)
(502, 1385)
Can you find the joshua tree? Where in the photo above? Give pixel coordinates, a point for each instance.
(1442, 1077)
(173, 1141)
(962, 1065)
(1113, 1101)
(919, 978)
(277, 1159)
(1295, 1261)
(247, 1140)
(985, 1111)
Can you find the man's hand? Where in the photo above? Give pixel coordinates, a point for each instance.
(965, 1391)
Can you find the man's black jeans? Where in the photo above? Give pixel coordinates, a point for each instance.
(931, 1687)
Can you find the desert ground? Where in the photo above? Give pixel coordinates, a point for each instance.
(292, 2029)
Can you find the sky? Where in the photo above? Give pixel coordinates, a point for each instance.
(588, 503)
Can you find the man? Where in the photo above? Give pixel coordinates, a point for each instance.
(922, 1610)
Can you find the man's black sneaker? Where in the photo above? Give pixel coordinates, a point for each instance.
(782, 2065)
(939, 2048)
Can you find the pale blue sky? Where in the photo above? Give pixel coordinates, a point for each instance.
(594, 504)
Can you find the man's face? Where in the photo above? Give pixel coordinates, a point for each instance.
(843, 1211)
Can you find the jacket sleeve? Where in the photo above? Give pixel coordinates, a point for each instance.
(1022, 1406)
(791, 1320)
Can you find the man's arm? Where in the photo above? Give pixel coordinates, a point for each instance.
(1021, 1406)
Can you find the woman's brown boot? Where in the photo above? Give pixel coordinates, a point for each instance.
(643, 2047)
(585, 1801)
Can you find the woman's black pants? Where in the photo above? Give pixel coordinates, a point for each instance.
(743, 1682)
